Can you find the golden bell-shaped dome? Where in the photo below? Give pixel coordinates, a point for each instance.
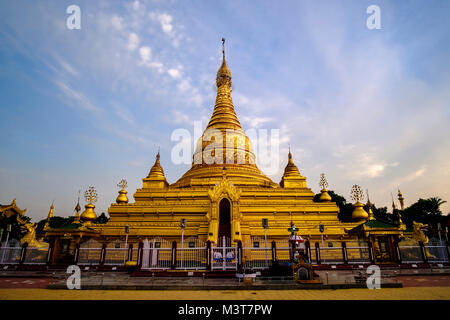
(122, 197)
(358, 212)
(156, 177)
(324, 196)
(89, 213)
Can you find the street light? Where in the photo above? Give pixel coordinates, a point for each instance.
(265, 225)
(8, 230)
(182, 226)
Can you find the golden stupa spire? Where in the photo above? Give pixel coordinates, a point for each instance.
(155, 178)
(291, 177)
(401, 199)
(77, 209)
(369, 206)
(49, 216)
(394, 207)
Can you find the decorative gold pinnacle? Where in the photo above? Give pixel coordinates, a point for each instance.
(357, 194)
(90, 195)
(323, 181)
(122, 184)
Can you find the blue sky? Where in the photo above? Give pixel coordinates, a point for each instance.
(92, 106)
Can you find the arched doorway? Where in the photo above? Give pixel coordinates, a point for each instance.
(224, 219)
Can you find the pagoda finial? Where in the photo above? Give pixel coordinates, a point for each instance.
(223, 49)
(358, 212)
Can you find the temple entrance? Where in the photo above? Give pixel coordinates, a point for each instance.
(224, 219)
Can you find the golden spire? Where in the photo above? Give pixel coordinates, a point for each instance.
(324, 196)
(89, 214)
(291, 177)
(49, 216)
(358, 212)
(394, 207)
(369, 206)
(156, 177)
(232, 147)
(77, 209)
(401, 199)
(50, 212)
(122, 197)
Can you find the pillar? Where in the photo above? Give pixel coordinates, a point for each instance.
(174, 255)
(239, 255)
(308, 250)
(344, 253)
(371, 255)
(23, 253)
(103, 254)
(317, 252)
(140, 254)
(77, 253)
(208, 255)
(130, 252)
(422, 252)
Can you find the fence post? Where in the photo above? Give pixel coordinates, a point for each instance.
(317, 252)
(208, 255)
(448, 250)
(50, 253)
(140, 254)
(308, 250)
(371, 256)
(130, 252)
(23, 253)
(174, 255)
(240, 252)
(397, 251)
(103, 255)
(274, 252)
(344, 252)
(422, 252)
(77, 253)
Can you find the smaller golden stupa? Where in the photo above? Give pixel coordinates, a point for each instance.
(358, 212)
(122, 197)
(324, 196)
(89, 214)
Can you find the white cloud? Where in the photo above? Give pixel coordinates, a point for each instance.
(117, 22)
(133, 41)
(136, 5)
(146, 54)
(174, 73)
(164, 19)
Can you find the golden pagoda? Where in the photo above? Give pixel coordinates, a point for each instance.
(223, 194)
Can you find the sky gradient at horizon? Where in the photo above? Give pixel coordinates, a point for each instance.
(89, 107)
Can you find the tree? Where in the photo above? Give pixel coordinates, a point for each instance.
(102, 219)
(426, 211)
(345, 209)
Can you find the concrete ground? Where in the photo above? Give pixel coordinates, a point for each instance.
(417, 284)
(411, 293)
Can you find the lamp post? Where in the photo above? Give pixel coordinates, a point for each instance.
(8, 230)
(265, 225)
(182, 226)
(127, 231)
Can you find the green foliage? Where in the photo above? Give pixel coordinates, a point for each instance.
(16, 232)
(426, 211)
(102, 219)
(345, 209)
